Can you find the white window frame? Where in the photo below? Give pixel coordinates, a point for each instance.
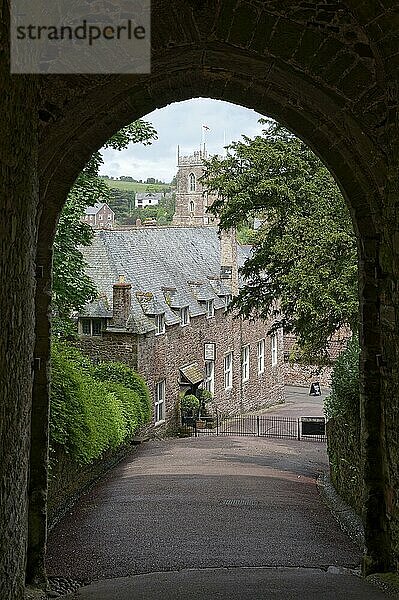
(192, 182)
(160, 324)
(210, 309)
(227, 301)
(245, 362)
(184, 316)
(228, 371)
(159, 402)
(274, 349)
(261, 356)
(209, 379)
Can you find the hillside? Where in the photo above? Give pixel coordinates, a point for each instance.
(132, 186)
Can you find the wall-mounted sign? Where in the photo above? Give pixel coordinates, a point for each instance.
(209, 351)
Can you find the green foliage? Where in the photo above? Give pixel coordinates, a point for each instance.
(122, 374)
(204, 395)
(92, 411)
(72, 288)
(189, 402)
(305, 250)
(163, 212)
(345, 396)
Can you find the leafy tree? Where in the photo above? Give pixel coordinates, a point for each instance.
(72, 288)
(304, 253)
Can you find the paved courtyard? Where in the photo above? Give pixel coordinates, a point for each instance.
(228, 514)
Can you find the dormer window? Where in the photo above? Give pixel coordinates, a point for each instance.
(92, 326)
(191, 182)
(160, 324)
(210, 309)
(184, 316)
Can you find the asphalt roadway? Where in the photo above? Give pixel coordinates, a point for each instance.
(210, 517)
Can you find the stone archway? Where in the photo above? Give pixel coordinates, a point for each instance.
(325, 71)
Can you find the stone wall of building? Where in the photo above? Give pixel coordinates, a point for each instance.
(161, 357)
(191, 204)
(110, 347)
(158, 357)
(301, 374)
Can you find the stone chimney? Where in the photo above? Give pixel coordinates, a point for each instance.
(122, 298)
(228, 259)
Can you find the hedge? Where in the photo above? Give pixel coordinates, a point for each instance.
(93, 408)
(345, 395)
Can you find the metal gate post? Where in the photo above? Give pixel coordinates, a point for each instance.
(217, 422)
(257, 425)
(195, 427)
(299, 429)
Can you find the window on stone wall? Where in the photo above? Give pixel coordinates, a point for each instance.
(274, 349)
(159, 404)
(210, 309)
(191, 207)
(191, 182)
(261, 356)
(209, 381)
(100, 217)
(159, 324)
(184, 316)
(227, 301)
(228, 371)
(91, 326)
(245, 363)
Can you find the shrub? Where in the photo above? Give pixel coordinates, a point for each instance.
(205, 396)
(345, 396)
(120, 373)
(94, 409)
(189, 402)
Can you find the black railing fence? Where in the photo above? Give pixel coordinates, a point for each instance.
(302, 428)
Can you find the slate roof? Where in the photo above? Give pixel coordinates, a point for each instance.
(93, 210)
(168, 267)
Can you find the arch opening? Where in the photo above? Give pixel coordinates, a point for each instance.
(303, 107)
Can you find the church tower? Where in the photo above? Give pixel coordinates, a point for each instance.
(191, 202)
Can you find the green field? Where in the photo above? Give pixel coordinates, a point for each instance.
(131, 186)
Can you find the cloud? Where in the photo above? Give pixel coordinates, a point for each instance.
(180, 124)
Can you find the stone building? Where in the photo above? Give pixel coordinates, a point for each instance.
(162, 310)
(191, 200)
(99, 216)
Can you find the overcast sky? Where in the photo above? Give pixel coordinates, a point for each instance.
(181, 124)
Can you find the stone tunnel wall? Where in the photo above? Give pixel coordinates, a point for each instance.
(68, 479)
(343, 445)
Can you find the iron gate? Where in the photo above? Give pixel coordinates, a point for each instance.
(302, 428)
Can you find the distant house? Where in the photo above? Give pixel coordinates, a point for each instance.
(99, 216)
(143, 199)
